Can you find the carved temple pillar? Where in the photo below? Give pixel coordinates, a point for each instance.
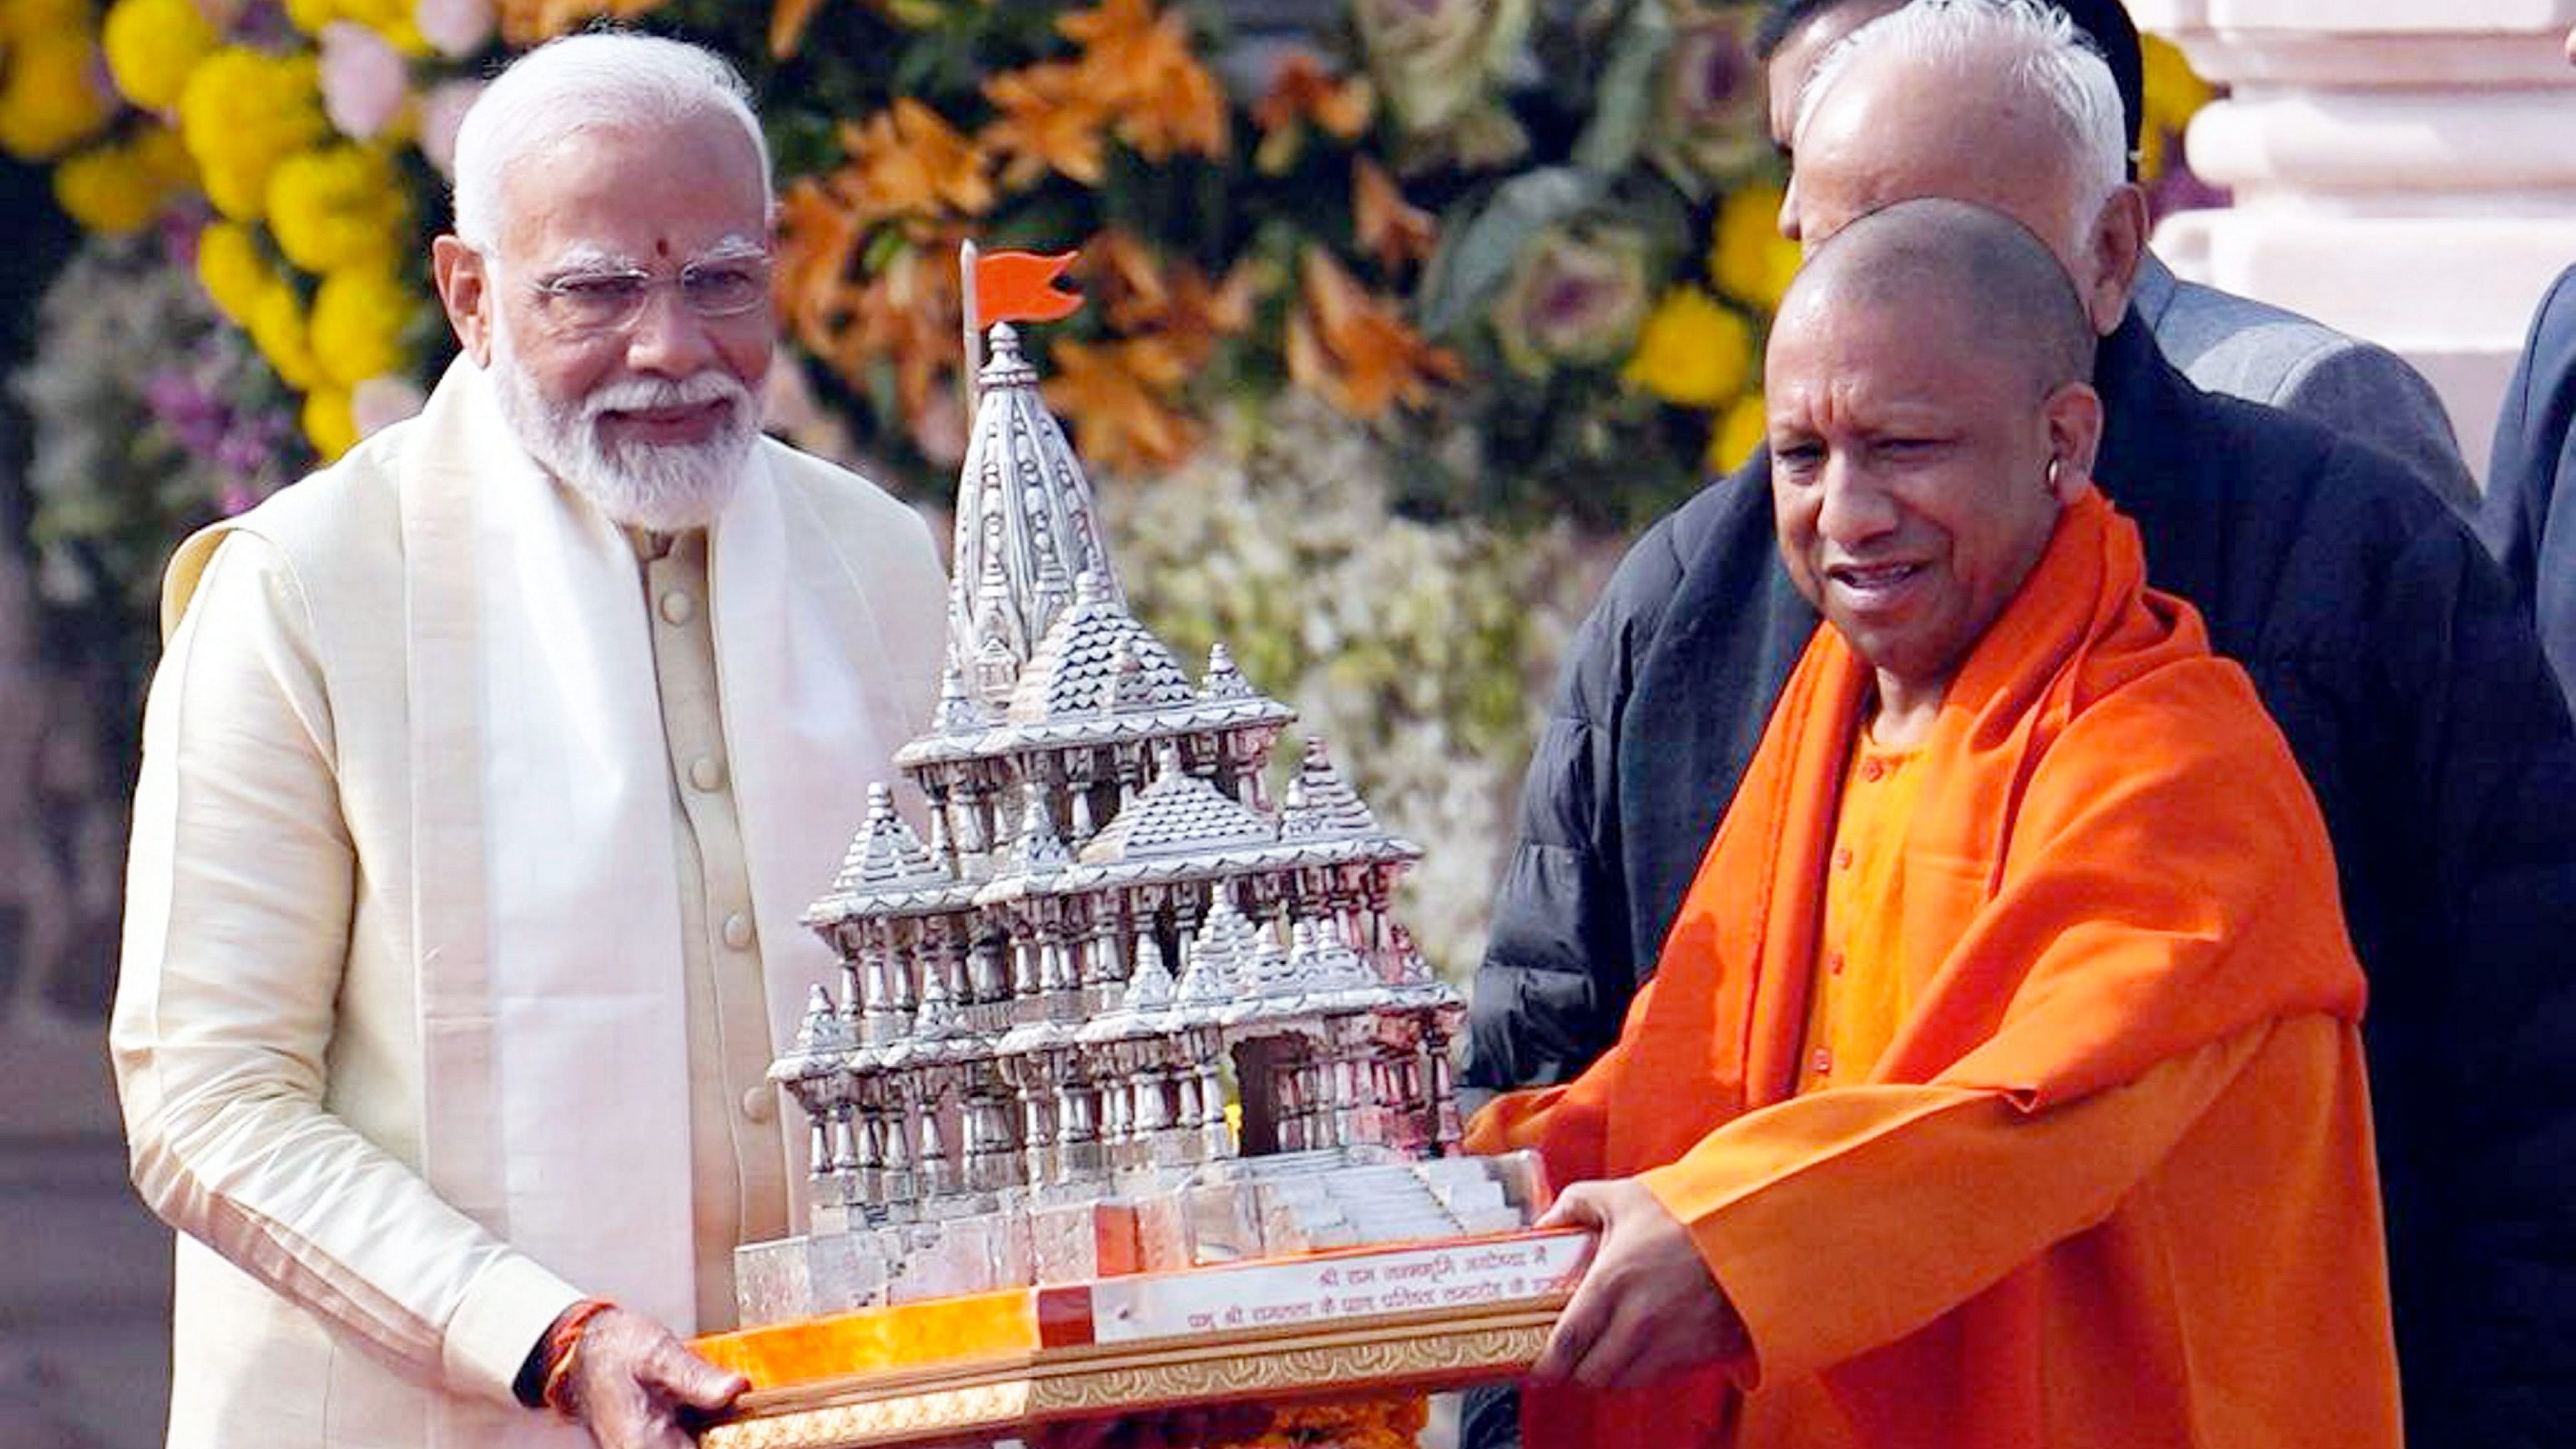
(2402, 171)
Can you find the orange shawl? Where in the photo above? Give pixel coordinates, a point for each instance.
(2117, 892)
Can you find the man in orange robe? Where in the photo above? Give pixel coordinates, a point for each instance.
(2001, 1082)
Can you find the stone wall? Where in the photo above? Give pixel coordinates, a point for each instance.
(2403, 169)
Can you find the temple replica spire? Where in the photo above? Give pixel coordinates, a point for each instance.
(1107, 932)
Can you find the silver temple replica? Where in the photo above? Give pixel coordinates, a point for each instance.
(1043, 1006)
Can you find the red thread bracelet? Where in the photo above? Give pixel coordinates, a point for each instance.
(563, 1340)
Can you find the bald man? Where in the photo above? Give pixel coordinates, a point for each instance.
(2025, 920)
(2526, 518)
(2386, 643)
(2222, 342)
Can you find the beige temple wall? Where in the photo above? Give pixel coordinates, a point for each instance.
(2403, 169)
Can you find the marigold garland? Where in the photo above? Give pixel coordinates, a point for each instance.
(337, 207)
(152, 45)
(243, 111)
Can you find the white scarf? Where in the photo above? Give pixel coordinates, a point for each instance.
(552, 1001)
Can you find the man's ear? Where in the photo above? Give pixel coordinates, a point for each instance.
(2074, 417)
(2118, 242)
(465, 290)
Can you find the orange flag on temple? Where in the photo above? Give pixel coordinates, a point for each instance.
(1021, 287)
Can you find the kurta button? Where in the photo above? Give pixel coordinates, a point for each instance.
(1842, 858)
(760, 1104)
(737, 931)
(678, 607)
(1834, 963)
(1823, 1061)
(1870, 769)
(706, 772)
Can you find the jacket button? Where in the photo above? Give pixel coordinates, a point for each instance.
(678, 607)
(737, 931)
(707, 773)
(760, 1104)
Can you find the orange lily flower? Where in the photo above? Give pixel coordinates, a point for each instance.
(529, 22)
(1051, 121)
(1301, 93)
(787, 22)
(1116, 396)
(1140, 64)
(1387, 226)
(908, 159)
(818, 238)
(907, 315)
(1355, 350)
(1118, 37)
(1173, 302)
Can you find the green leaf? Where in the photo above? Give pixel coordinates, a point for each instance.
(1624, 93)
(1475, 257)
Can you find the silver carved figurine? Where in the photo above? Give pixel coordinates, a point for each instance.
(1044, 1006)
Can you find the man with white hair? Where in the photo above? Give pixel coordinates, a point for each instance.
(2222, 342)
(485, 778)
(2412, 692)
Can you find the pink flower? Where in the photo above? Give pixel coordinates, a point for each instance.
(457, 27)
(364, 82)
(382, 401)
(442, 111)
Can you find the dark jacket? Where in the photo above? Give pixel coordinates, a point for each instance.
(2387, 645)
(2525, 520)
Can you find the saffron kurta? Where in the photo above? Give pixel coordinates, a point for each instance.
(2110, 1183)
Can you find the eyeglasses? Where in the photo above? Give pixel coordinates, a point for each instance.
(611, 301)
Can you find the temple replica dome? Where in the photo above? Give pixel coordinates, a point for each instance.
(1108, 930)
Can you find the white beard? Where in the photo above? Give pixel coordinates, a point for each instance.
(661, 487)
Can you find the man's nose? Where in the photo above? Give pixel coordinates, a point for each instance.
(1855, 508)
(668, 339)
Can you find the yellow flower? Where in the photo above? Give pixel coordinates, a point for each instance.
(1744, 430)
(391, 19)
(276, 324)
(1693, 350)
(310, 16)
(158, 150)
(110, 189)
(33, 19)
(329, 422)
(2174, 95)
(153, 44)
(231, 269)
(336, 208)
(48, 99)
(1748, 259)
(358, 322)
(241, 113)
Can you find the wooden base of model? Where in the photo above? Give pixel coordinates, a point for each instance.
(1331, 1326)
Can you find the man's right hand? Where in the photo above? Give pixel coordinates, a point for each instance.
(632, 1384)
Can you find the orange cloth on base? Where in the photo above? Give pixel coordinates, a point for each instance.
(2111, 1183)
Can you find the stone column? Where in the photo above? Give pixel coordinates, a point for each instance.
(2404, 170)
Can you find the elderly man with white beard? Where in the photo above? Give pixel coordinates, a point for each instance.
(485, 777)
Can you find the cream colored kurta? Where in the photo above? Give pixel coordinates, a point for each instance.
(739, 1179)
(404, 1029)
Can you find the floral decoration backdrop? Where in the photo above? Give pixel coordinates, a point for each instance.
(1401, 312)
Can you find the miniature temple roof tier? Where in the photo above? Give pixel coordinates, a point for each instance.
(1110, 933)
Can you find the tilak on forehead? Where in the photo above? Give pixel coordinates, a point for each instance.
(587, 257)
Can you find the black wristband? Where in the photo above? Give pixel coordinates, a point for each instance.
(529, 1387)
